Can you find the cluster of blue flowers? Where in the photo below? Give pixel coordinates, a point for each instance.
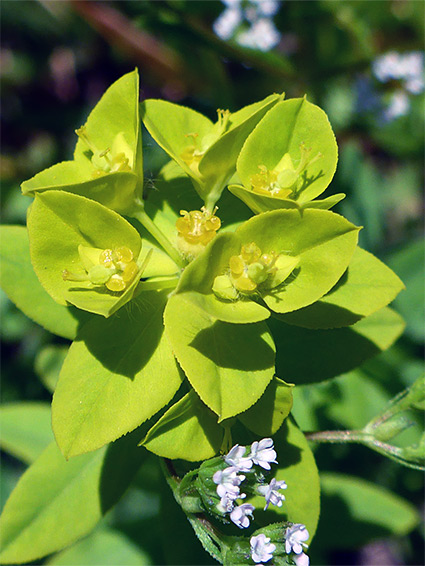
(403, 73)
(229, 480)
(249, 23)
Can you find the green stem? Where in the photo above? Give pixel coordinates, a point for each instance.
(156, 285)
(213, 196)
(159, 236)
(338, 436)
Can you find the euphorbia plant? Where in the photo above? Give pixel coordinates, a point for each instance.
(179, 301)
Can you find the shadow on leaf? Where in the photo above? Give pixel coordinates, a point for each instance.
(125, 342)
(221, 340)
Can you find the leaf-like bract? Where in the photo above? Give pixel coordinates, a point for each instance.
(58, 223)
(367, 286)
(118, 373)
(188, 431)
(114, 118)
(228, 376)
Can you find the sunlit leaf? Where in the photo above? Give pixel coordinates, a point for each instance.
(303, 355)
(42, 516)
(301, 131)
(267, 415)
(20, 283)
(113, 130)
(58, 224)
(188, 430)
(228, 376)
(367, 286)
(118, 373)
(26, 429)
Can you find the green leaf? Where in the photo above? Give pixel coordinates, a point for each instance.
(171, 126)
(118, 373)
(112, 125)
(29, 295)
(114, 190)
(116, 112)
(408, 264)
(48, 364)
(267, 415)
(219, 162)
(306, 356)
(26, 429)
(58, 223)
(365, 511)
(283, 130)
(42, 516)
(356, 399)
(217, 145)
(104, 547)
(261, 203)
(188, 430)
(228, 376)
(323, 241)
(298, 469)
(367, 286)
(198, 278)
(238, 312)
(325, 203)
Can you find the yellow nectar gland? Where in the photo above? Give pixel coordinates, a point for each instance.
(251, 268)
(198, 226)
(192, 154)
(116, 269)
(265, 182)
(282, 181)
(253, 271)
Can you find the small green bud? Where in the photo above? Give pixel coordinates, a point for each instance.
(257, 272)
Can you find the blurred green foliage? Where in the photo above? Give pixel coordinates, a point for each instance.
(57, 59)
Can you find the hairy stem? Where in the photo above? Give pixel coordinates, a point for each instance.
(338, 436)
